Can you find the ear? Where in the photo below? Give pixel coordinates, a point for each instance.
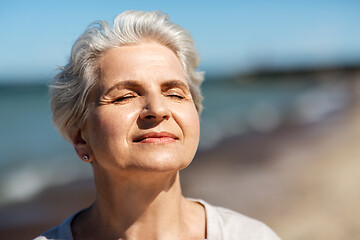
(82, 148)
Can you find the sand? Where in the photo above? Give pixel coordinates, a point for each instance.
(302, 181)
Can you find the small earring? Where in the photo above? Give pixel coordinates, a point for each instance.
(86, 158)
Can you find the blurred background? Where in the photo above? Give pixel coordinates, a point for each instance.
(279, 133)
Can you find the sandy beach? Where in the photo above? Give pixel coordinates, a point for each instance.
(302, 181)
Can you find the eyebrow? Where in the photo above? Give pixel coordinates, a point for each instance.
(135, 84)
(173, 84)
(123, 84)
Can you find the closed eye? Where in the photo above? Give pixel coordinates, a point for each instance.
(176, 96)
(124, 98)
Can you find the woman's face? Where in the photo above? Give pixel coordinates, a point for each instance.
(141, 113)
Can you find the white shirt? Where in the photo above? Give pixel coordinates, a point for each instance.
(221, 223)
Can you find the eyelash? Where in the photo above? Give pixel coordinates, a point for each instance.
(124, 98)
(128, 97)
(177, 96)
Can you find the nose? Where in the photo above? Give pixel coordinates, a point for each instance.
(155, 109)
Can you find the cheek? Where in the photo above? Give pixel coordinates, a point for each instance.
(189, 122)
(111, 124)
(195, 127)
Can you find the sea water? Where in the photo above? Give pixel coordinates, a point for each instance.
(33, 156)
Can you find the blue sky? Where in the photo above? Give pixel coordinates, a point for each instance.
(231, 36)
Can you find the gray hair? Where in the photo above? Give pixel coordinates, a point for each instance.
(71, 86)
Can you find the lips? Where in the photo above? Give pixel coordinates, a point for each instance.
(155, 137)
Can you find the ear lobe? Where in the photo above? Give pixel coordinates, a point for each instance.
(81, 147)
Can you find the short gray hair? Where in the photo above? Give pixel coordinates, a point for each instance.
(71, 86)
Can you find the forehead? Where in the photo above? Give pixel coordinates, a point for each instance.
(143, 62)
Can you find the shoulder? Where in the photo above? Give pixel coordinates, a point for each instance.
(60, 232)
(239, 226)
(223, 223)
(51, 234)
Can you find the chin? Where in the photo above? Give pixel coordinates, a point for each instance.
(160, 164)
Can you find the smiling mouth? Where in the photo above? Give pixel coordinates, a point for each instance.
(154, 137)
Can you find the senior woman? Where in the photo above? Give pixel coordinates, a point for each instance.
(129, 101)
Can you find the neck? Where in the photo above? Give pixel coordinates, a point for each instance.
(142, 205)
